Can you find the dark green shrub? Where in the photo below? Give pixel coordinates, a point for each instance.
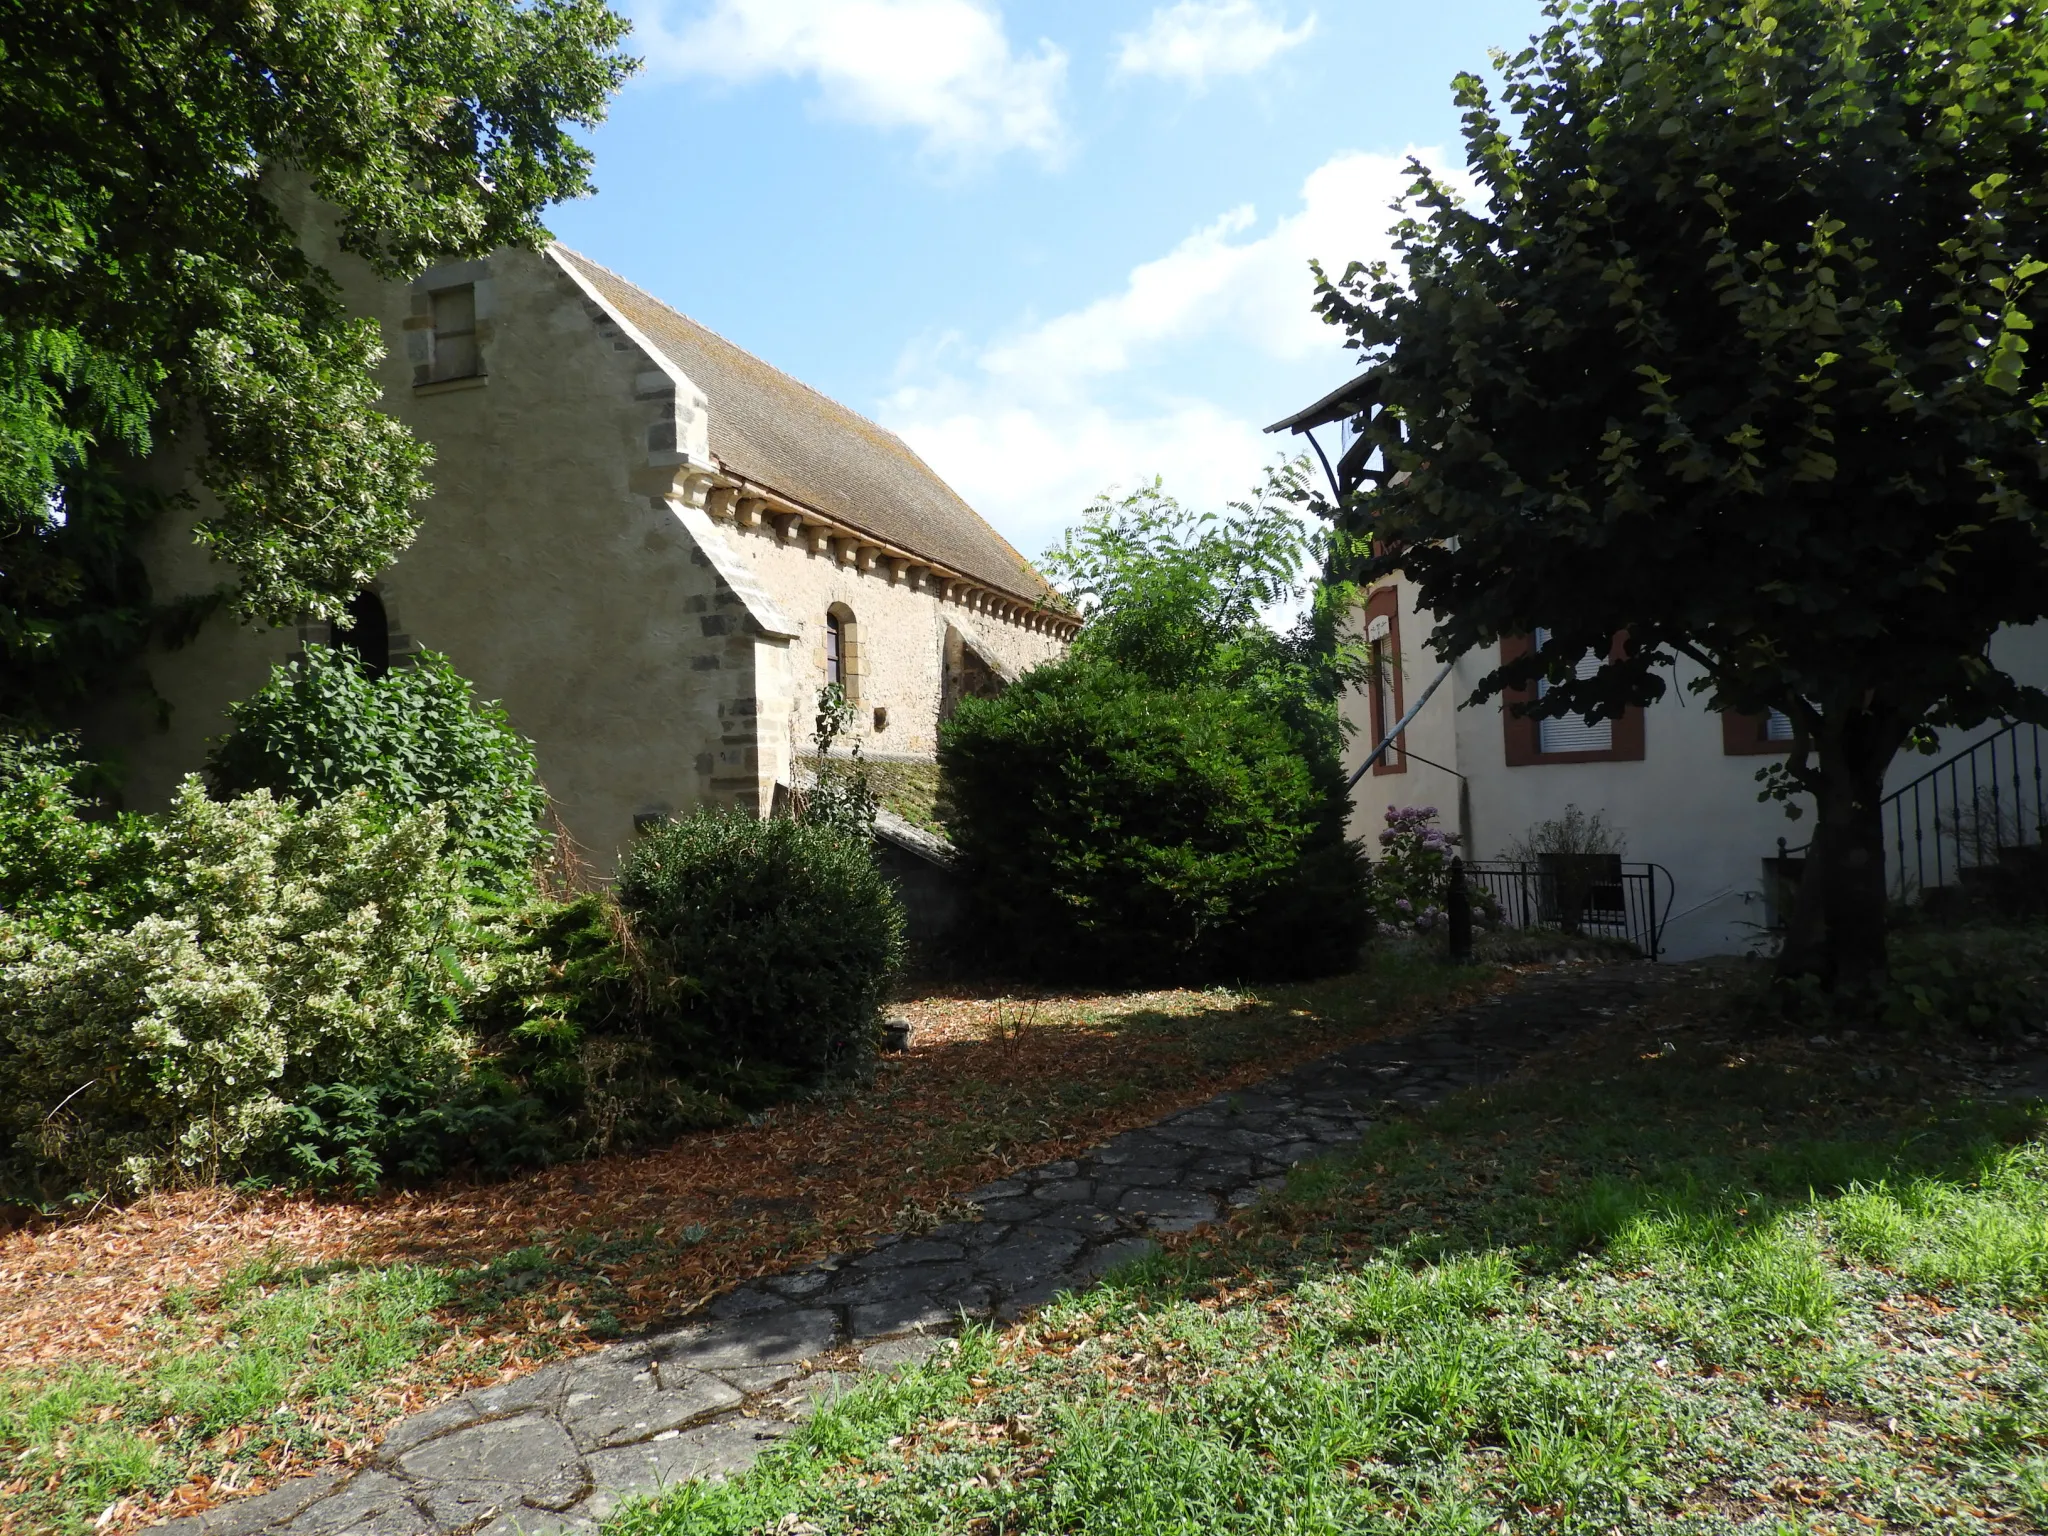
(413, 737)
(781, 937)
(62, 868)
(1980, 981)
(1114, 829)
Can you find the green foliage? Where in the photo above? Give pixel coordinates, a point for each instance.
(1978, 981)
(1573, 834)
(414, 737)
(282, 950)
(1181, 582)
(157, 283)
(1707, 1280)
(781, 937)
(840, 794)
(1411, 878)
(1730, 353)
(1167, 801)
(59, 870)
(269, 1352)
(1118, 829)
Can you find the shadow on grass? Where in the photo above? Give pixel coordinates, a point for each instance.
(1715, 1138)
(1662, 1282)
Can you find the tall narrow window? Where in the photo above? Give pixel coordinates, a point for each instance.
(835, 656)
(455, 354)
(365, 629)
(1572, 733)
(1383, 680)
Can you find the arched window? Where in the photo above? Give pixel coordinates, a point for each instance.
(366, 630)
(842, 651)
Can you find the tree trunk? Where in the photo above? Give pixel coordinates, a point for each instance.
(1837, 932)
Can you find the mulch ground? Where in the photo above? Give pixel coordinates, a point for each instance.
(623, 1243)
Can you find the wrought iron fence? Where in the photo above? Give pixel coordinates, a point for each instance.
(1578, 893)
(1962, 813)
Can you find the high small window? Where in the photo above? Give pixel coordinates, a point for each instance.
(835, 656)
(455, 352)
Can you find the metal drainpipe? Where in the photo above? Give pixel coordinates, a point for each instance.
(1399, 726)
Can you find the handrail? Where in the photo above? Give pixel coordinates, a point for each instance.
(1960, 812)
(1527, 896)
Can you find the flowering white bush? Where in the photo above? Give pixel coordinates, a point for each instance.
(287, 949)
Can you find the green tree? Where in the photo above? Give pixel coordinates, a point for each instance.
(1175, 594)
(1730, 358)
(1167, 801)
(150, 287)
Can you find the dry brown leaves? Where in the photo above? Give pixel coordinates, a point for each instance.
(806, 1180)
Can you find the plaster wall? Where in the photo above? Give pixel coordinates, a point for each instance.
(1404, 779)
(548, 566)
(1687, 805)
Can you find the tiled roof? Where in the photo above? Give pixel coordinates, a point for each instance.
(784, 435)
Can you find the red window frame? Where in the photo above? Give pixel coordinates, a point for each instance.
(1524, 740)
(1386, 604)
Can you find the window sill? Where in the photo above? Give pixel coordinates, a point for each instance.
(450, 386)
(1542, 759)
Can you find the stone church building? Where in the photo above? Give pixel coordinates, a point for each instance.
(651, 546)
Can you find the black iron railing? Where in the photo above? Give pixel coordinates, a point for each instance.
(1577, 893)
(1962, 813)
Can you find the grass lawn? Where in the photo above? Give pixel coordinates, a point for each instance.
(1686, 1279)
(159, 1359)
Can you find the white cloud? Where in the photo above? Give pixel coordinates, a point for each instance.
(1175, 373)
(1197, 39)
(943, 68)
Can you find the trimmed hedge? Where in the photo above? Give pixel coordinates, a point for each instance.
(782, 937)
(1115, 830)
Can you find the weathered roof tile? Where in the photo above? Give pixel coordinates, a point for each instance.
(784, 435)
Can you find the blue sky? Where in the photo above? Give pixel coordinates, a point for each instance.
(1056, 246)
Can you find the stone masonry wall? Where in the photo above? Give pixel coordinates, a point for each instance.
(897, 664)
(542, 568)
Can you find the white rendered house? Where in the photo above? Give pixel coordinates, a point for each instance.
(1676, 781)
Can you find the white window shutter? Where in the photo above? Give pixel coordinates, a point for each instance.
(1572, 733)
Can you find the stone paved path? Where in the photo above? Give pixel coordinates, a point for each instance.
(560, 1449)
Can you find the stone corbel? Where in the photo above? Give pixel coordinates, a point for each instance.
(818, 538)
(751, 511)
(719, 502)
(865, 557)
(788, 526)
(672, 483)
